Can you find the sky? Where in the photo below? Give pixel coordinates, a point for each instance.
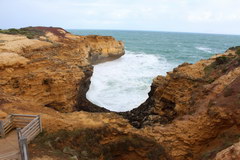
(201, 16)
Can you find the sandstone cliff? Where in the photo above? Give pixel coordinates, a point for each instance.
(192, 113)
(54, 68)
(194, 110)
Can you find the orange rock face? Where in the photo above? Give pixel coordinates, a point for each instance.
(55, 69)
(206, 106)
(193, 111)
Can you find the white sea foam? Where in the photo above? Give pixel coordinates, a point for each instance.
(123, 84)
(205, 49)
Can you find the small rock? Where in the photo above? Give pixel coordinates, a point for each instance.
(57, 139)
(70, 151)
(73, 158)
(84, 153)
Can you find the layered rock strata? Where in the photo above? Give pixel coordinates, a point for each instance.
(194, 110)
(54, 69)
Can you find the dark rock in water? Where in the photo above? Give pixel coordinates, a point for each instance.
(83, 104)
(146, 113)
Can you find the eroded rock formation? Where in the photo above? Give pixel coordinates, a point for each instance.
(191, 114)
(194, 110)
(54, 69)
(231, 153)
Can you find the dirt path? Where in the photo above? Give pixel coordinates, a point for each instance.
(9, 148)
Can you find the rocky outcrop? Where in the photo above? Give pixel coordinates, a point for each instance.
(54, 68)
(231, 153)
(103, 48)
(193, 112)
(177, 94)
(12, 60)
(83, 104)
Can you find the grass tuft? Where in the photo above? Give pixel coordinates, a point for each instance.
(238, 52)
(30, 33)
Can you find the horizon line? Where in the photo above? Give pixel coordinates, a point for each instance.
(155, 31)
(141, 30)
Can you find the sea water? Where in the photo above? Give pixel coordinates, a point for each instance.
(123, 84)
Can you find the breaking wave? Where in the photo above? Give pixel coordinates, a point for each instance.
(123, 84)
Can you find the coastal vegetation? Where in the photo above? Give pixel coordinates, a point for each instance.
(238, 52)
(221, 60)
(29, 32)
(222, 65)
(103, 143)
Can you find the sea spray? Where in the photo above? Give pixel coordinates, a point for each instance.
(123, 84)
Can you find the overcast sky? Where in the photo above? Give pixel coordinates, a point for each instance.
(207, 16)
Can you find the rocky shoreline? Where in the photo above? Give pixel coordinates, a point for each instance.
(179, 93)
(63, 61)
(192, 113)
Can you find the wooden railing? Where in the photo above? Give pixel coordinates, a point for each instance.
(6, 126)
(28, 127)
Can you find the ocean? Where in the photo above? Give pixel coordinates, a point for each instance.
(123, 84)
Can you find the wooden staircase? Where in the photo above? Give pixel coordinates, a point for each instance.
(16, 132)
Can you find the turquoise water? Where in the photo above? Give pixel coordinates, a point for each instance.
(123, 84)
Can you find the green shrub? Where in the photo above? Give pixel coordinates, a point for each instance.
(30, 36)
(234, 48)
(222, 60)
(13, 31)
(238, 52)
(29, 32)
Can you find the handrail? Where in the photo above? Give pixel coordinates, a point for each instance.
(23, 115)
(28, 127)
(2, 132)
(6, 126)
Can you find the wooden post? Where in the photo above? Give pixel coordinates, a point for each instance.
(19, 137)
(24, 149)
(23, 145)
(40, 123)
(2, 132)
